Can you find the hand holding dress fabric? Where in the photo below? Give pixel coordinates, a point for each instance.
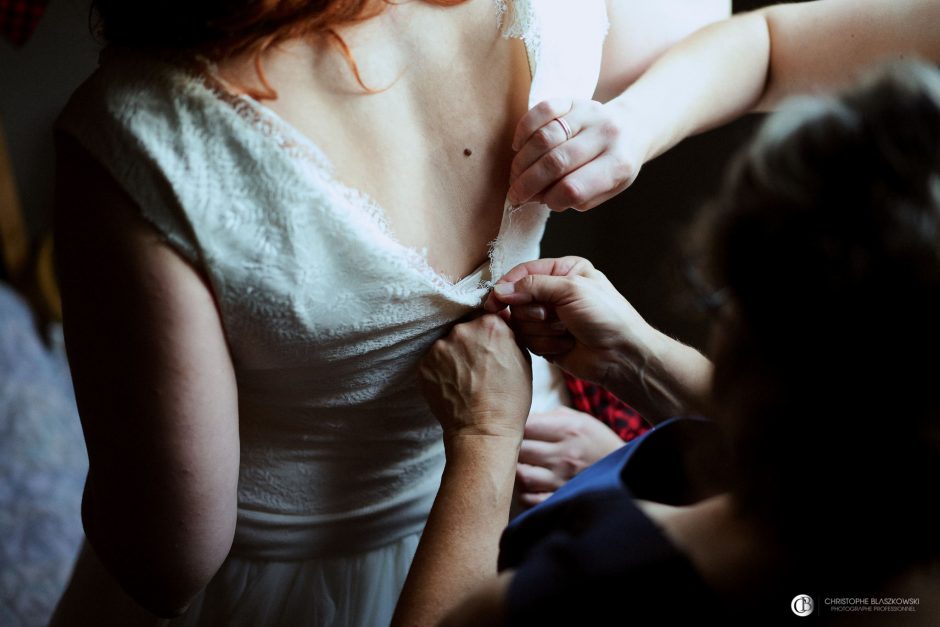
(568, 311)
(477, 381)
(573, 154)
(478, 384)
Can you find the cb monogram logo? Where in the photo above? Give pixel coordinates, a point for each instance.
(802, 605)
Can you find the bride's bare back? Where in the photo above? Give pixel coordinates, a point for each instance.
(433, 146)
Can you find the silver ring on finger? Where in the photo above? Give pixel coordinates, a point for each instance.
(564, 127)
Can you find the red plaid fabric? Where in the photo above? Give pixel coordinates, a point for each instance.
(613, 412)
(18, 19)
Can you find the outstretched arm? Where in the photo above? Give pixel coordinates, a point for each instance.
(720, 72)
(753, 60)
(478, 384)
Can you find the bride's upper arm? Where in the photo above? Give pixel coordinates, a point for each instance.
(641, 30)
(155, 389)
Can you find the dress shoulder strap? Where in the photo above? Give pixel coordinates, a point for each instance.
(129, 121)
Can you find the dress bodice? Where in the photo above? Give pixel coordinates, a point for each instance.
(325, 313)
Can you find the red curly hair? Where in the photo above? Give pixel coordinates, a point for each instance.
(222, 28)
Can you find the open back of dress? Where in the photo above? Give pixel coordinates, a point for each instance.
(326, 316)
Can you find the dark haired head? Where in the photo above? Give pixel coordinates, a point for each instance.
(826, 238)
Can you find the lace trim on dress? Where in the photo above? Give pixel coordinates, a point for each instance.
(297, 146)
(522, 23)
(272, 126)
(519, 20)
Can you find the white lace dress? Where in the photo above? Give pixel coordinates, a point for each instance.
(326, 316)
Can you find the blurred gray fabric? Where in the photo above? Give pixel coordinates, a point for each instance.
(42, 467)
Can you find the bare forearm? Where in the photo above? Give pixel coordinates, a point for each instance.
(460, 543)
(754, 60)
(710, 78)
(160, 560)
(661, 377)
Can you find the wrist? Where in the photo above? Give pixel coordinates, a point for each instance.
(631, 116)
(648, 375)
(483, 465)
(638, 343)
(474, 444)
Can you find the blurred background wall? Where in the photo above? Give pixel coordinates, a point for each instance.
(35, 82)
